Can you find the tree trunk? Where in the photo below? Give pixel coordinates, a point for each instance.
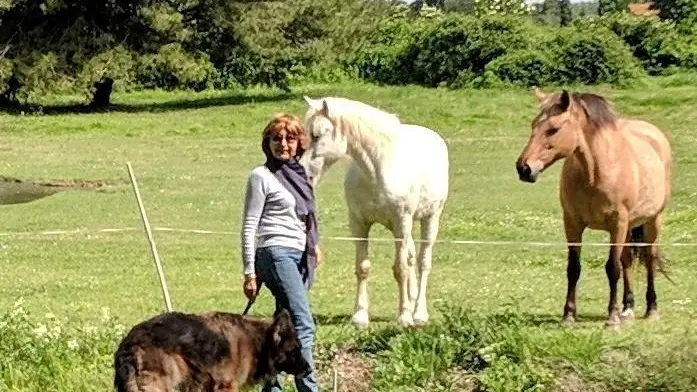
(102, 93)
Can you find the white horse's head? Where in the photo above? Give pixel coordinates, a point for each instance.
(316, 166)
(327, 141)
(327, 146)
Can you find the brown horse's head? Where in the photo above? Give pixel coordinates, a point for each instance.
(557, 130)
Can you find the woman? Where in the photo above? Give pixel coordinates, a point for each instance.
(280, 208)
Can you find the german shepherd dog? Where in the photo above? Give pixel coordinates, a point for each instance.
(212, 352)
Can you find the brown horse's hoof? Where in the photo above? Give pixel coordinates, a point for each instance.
(568, 320)
(652, 315)
(627, 316)
(613, 323)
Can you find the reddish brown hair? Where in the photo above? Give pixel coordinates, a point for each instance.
(292, 125)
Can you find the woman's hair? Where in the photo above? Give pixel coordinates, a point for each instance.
(292, 125)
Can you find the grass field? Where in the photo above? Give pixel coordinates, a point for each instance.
(65, 298)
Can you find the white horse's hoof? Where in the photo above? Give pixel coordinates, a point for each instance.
(405, 320)
(361, 319)
(420, 318)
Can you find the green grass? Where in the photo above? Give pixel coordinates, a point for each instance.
(191, 154)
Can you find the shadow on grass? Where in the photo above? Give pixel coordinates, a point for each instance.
(343, 319)
(542, 320)
(534, 319)
(231, 99)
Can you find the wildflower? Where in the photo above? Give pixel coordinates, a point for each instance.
(56, 331)
(40, 331)
(90, 330)
(72, 344)
(105, 314)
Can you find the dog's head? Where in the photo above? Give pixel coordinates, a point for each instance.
(284, 347)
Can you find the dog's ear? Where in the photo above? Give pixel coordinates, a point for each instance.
(282, 326)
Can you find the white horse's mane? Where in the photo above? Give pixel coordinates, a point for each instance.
(347, 106)
(364, 122)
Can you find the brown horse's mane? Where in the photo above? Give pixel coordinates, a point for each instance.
(598, 110)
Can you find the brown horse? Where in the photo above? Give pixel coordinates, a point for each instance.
(616, 178)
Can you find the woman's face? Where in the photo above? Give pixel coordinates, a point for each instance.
(283, 145)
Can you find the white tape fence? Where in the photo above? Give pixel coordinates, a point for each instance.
(338, 238)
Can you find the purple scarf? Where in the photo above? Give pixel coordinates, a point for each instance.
(293, 176)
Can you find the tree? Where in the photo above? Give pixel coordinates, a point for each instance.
(548, 12)
(564, 12)
(683, 12)
(51, 42)
(606, 6)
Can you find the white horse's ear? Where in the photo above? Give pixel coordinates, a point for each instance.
(325, 108)
(312, 102)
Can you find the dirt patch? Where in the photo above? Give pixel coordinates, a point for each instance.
(15, 191)
(573, 383)
(79, 184)
(354, 372)
(462, 380)
(69, 183)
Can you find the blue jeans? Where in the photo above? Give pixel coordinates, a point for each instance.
(279, 269)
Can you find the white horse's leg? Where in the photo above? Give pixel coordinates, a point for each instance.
(429, 232)
(360, 229)
(413, 282)
(402, 232)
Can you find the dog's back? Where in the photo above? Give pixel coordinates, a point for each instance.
(168, 349)
(201, 350)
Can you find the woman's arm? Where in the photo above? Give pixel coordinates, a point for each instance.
(255, 198)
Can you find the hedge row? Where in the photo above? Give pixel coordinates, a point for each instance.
(449, 49)
(458, 50)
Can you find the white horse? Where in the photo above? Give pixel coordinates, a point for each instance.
(398, 174)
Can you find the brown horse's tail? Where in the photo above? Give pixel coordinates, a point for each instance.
(642, 252)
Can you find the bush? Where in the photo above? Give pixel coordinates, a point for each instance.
(526, 68)
(659, 45)
(457, 50)
(385, 60)
(501, 7)
(45, 355)
(591, 57)
(493, 349)
(451, 50)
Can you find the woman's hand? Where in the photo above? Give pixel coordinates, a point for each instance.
(250, 286)
(318, 254)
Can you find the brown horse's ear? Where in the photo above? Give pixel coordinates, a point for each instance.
(564, 100)
(539, 94)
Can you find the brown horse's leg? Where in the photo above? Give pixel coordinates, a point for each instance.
(618, 236)
(652, 259)
(574, 234)
(628, 297)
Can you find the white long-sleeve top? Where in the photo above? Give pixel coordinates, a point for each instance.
(269, 212)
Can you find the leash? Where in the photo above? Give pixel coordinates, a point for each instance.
(251, 301)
